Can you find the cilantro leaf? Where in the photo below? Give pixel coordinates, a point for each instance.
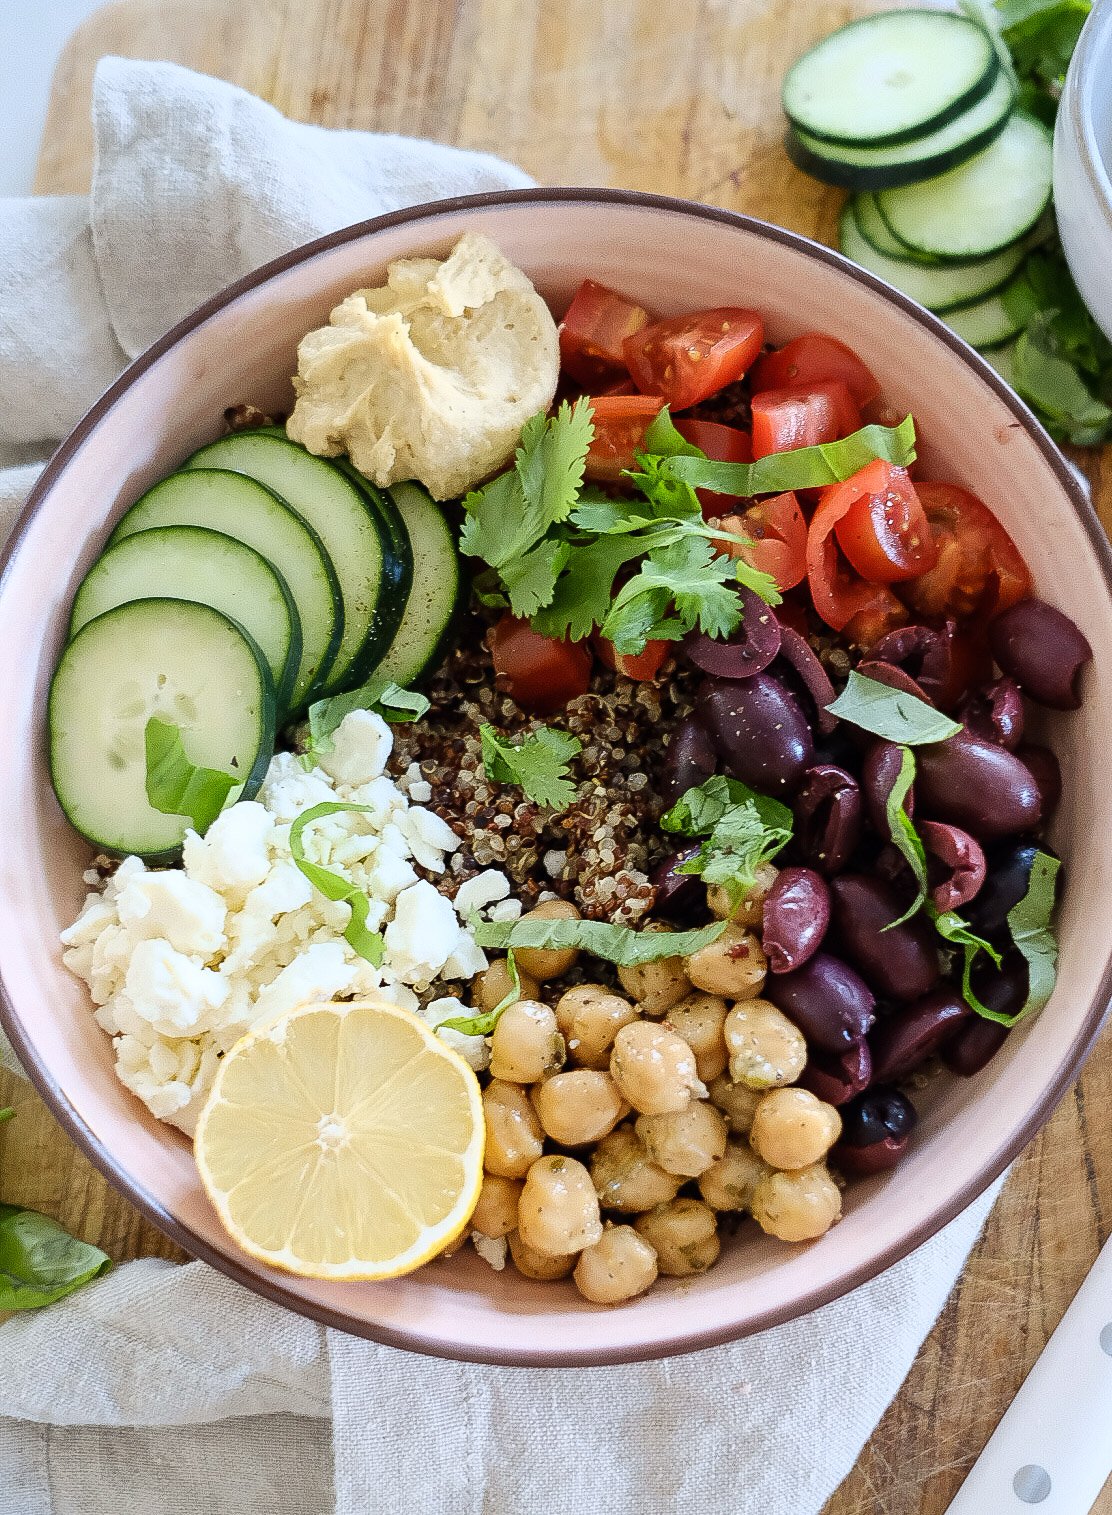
(538, 764)
(585, 589)
(616, 944)
(178, 786)
(743, 829)
(688, 574)
(531, 580)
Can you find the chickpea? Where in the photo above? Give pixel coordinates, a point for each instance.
(699, 1018)
(590, 1017)
(526, 1043)
(625, 1176)
(579, 1107)
(514, 1139)
(728, 1184)
(685, 1235)
(619, 1265)
(656, 986)
(749, 909)
(496, 1211)
(797, 1206)
(490, 988)
(684, 1142)
(792, 1128)
(533, 1264)
(737, 1102)
(766, 1048)
(733, 966)
(543, 963)
(654, 1068)
(558, 1212)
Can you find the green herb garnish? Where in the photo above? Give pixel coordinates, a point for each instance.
(1029, 924)
(178, 786)
(383, 696)
(369, 944)
(483, 1025)
(801, 468)
(743, 829)
(538, 764)
(905, 838)
(616, 944)
(6, 1114)
(891, 713)
(40, 1262)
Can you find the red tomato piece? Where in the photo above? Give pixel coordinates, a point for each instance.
(620, 425)
(978, 569)
(641, 665)
(815, 358)
(802, 415)
(725, 444)
(591, 334)
(885, 535)
(778, 534)
(687, 358)
(839, 594)
(541, 673)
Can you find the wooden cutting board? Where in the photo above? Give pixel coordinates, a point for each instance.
(679, 98)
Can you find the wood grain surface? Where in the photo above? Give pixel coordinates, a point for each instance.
(681, 99)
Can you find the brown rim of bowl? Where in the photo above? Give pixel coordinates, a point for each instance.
(1080, 86)
(270, 1287)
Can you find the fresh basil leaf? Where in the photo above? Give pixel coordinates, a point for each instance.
(178, 786)
(615, 944)
(803, 467)
(891, 713)
(1052, 384)
(1029, 923)
(904, 836)
(662, 440)
(483, 1025)
(40, 1262)
(382, 695)
(369, 944)
(699, 809)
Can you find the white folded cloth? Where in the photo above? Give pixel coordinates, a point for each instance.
(164, 1390)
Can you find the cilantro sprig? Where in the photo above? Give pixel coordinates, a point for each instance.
(743, 829)
(538, 763)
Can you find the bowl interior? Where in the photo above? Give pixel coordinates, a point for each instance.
(671, 258)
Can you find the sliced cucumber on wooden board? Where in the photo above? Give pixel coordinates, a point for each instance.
(941, 287)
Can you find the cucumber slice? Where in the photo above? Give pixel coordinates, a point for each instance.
(988, 203)
(439, 589)
(191, 563)
(988, 323)
(890, 77)
(353, 536)
(176, 659)
(242, 508)
(908, 162)
(876, 231)
(943, 287)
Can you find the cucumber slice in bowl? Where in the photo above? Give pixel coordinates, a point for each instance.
(192, 563)
(439, 589)
(890, 77)
(242, 508)
(940, 287)
(176, 659)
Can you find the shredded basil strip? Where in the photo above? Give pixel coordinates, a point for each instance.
(615, 944)
(178, 786)
(905, 838)
(1029, 924)
(383, 696)
(369, 944)
(891, 713)
(801, 468)
(40, 1262)
(483, 1025)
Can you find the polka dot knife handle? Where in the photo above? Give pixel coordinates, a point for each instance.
(1052, 1452)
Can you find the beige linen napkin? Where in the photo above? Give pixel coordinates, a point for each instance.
(164, 1390)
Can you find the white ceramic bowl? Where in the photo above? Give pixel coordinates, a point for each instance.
(241, 347)
(1083, 165)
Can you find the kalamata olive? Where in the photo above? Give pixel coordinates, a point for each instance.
(1002, 989)
(977, 785)
(996, 713)
(796, 915)
(974, 1045)
(880, 769)
(927, 654)
(1008, 871)
(830, 1003)
(759, 730)
(876, 1127)
(900, 962)
(963, 859)
(907, 1038)
(1043, 651)
(894, 676)
(797, 651)
(828, 817)
(838, 1079)
(689, 760)
(679, 896)
(1047, 773)
(748, 651)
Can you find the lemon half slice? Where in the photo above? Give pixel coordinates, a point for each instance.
(343, 1141)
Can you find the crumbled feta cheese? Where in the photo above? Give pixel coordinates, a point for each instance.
(187, 914)
(423, 934)
(232, 855)
(361, 745)
(474, 894)
(505, 910)
(420, 791)
(492, 1249)
(390, 875)
(475, 1050)
(96, 913)
(467, 959)
(172, 991)
(318, 973)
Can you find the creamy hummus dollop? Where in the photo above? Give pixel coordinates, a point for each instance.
(431, 376)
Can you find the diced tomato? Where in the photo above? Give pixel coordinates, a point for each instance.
(591, 334)
(815, 358)
(620, 425)
(687, 358)
(839, 594)
(541, 673)
(885, 535)
(802, 415)
(778, 534)
(622, 387)
(978, 569)
(642, 665)
(725, 444)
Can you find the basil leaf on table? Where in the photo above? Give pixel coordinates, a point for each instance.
(40, 1262)
(369, 944)
(802, 468)
(891, 713)
(178, 786)
(616, 944)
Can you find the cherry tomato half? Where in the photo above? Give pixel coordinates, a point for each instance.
(885, 535)
(978, 569)
(591, 334)
(839, 594)
(540, 673)
(802, 415)
(778, 533)
(815, 358)
(687, 358)
(641, 665)
(620, 425)
(725, 444)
